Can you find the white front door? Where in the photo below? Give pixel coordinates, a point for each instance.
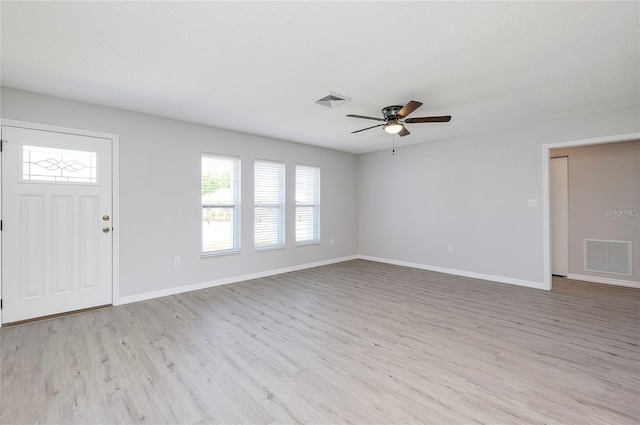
(56, 223)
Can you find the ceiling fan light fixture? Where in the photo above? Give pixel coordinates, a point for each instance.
(393, 127)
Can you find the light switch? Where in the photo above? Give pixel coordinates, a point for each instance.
(534, 203)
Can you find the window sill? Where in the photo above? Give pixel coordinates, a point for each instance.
(269, 248)
(218, 254)
(309, 243)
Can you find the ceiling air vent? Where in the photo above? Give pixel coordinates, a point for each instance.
(332, 100)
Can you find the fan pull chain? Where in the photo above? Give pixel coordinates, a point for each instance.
(393, 152)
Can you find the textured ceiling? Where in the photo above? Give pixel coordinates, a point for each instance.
(257, 67)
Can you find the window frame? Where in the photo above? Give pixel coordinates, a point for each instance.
(315, 205)
(280, 207)
(235, 207)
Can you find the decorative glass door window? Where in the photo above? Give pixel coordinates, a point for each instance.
(41, 163)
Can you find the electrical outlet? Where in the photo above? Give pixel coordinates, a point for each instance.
(450, 248)
(176, 261)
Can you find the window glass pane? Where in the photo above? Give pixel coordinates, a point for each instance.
(307, 204)
(217, 229)
(41, 163)
(267, 227)
(217, 175)
(269, 211)
(220, 190)
(305, 223)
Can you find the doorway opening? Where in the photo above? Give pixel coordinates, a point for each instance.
(546, 173)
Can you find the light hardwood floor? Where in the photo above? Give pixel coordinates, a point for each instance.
(356, 342)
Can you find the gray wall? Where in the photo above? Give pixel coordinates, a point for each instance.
(471, 192)
(603, 177)
(160, 211)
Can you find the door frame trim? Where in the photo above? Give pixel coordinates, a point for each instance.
(553, 239)
(115, 192)
(546, 212)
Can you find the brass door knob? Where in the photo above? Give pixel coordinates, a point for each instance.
(106, 230)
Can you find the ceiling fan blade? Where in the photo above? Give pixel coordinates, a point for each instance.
(403, 132)
(409, 108)
(366, 118)
(445, 118)
(368, 128)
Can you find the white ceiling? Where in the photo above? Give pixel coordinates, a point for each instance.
(257, 67)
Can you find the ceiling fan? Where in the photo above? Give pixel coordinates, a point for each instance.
(395, 117)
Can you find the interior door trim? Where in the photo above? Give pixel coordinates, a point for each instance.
(115, 192)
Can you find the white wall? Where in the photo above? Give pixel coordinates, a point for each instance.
(470, 192)
(160, 210)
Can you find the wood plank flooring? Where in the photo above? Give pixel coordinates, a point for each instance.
(350, 343)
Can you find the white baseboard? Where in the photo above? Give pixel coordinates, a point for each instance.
(226, 281)
(605, 280)
(501, 279)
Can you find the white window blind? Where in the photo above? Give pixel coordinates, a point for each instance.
(220, 204)
(307, 204)
(269, 207)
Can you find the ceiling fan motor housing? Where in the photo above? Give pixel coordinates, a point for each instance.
(391, 112)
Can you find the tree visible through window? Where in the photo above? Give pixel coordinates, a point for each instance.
(307, 204)
(220, 191)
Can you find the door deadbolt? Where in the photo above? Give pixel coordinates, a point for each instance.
(106, 229)
(105, 218)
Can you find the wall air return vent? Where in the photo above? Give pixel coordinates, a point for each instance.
(607, 256)
(332, 100)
